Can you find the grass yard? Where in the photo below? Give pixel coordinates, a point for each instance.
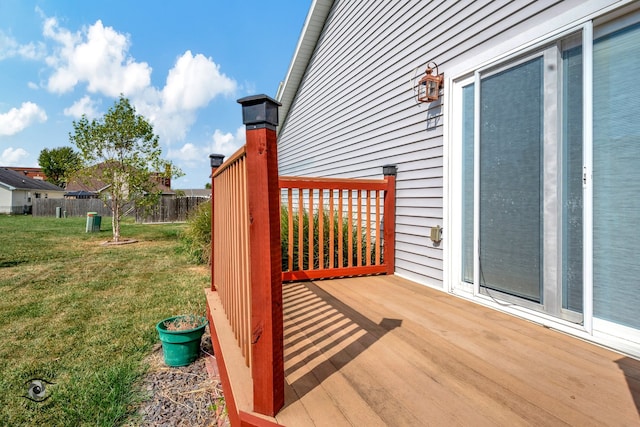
(82, 316)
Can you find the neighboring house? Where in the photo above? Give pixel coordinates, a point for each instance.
(194, 192)
(92, 188)
(528, 159)
(17, 191)
(35, 173)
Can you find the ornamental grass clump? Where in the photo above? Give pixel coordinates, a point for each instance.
(356, 237)
(196, 239)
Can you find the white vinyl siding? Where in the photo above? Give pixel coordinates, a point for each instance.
(5, 200)
(355, 109)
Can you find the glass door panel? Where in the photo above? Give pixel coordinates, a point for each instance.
(572, 197)
(616, 177)
(511, 134)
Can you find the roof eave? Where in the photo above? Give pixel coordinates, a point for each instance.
(7, 186)
(309, 36)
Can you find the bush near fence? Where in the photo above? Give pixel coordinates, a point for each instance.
(167, 209)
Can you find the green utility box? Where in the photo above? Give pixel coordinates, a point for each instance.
(93, 222)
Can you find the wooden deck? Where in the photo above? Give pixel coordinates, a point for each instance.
(386, 351)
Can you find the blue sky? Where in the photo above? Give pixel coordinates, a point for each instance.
(182, 64)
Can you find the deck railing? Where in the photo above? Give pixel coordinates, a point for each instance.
(350, 230)
(231, 237)
(246, 266)
(337, 227)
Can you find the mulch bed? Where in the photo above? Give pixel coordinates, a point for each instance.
(184, 396)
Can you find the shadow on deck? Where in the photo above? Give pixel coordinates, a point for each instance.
(382, 350)
(322, 335)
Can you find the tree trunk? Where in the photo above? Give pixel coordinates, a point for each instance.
(115, 222)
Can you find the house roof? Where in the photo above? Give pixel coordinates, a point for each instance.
(93, 184)
(31, 172)
(311, 31)
(195, 192)
(19, 181)
(80, 193)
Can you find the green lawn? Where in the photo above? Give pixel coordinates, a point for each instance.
(82, 316)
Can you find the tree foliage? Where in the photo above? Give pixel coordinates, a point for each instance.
(58, 164)
(122, 155)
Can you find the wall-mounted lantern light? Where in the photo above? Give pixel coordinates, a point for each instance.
(429, 86)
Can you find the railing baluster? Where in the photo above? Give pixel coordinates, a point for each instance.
(350, 229)
(368, 229)
(340, 230)
(246, 280)
(290, 228)
(321, 229)
(331, 231)
(378, 237)
(359, 230)
(310, 234)
(300, 230)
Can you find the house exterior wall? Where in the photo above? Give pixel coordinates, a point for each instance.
(15, 201)
(355, 109)
(54, 194)
(5, 200)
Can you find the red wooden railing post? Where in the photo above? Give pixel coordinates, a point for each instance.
(389, 172)
(260, 115)
(216, 160)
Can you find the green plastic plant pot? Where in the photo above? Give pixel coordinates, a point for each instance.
(180, 348)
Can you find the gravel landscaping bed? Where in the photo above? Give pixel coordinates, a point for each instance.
(183, 396)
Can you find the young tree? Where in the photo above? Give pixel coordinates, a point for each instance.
(122, 153)
(58, 164)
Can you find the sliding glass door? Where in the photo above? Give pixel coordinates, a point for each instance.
(528, 188)
(550, 205)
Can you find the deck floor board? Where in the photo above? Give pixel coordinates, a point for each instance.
(385, 351)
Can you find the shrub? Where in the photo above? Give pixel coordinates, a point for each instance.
(326, 262)
(196, 240)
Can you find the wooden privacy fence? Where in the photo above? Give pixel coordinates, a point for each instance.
(168, 209)
(171, 209)
(69, 207)
(337, 227)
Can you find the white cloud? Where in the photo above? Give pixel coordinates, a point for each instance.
(193, 82)
(16, 120)
(84, 105)
(9, 48)
(98, 56)
(32, 85)
(190, 155)
(13, 156)
(227, 143)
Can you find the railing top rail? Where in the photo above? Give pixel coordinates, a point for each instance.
(231, 160)
(332, 183)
